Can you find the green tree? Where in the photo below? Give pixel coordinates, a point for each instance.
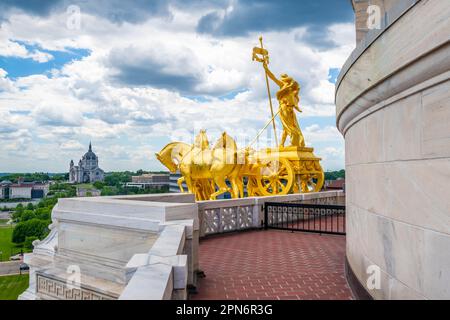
(334, 175)
(109, 191)
(98, 185)
(18, 211)
(29, 242)
(44, 213)
(27, 215)
(31, 228)
(118, 178)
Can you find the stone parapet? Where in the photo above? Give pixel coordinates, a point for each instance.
(100, 248)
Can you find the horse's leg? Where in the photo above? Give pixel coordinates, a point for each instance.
(252, 187)
(236, 182)
(180, 184)
(233, 189)
(210, 188)
(198, 191)
(235, 192)
(240, 181)
(204, 190)
(222, 185)
(189, 184)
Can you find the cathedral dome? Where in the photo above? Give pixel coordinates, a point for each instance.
(90, 155)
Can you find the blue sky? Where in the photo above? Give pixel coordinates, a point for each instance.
(133, 76)
(20, 67)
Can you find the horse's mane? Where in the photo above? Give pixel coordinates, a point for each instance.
(201, 140)
(227, 143)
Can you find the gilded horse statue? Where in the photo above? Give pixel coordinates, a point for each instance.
(205, 170)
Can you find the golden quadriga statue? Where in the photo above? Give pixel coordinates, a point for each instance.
(211, 171)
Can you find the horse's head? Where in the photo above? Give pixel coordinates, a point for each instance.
(171, 155)
(167, 162)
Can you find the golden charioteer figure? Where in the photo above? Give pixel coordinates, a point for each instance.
(209, 172)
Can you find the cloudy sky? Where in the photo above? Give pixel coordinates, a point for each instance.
(130, 76)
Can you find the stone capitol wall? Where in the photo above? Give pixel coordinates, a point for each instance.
(393, 108)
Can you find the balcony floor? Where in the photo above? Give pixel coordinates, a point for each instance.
(271, 265)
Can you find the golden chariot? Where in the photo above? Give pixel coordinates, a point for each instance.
(210, 172)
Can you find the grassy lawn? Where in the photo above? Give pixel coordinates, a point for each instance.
(6, 244)
(12, 286)
(3, 222)
(88, 186)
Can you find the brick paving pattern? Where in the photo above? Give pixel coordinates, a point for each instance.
(271, 265)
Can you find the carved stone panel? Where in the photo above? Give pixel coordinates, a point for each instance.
(57, 289)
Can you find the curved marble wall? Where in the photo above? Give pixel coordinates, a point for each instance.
(393, 107)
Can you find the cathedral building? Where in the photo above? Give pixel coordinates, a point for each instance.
(87, 169)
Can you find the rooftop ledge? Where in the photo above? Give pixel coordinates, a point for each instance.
(144, 212)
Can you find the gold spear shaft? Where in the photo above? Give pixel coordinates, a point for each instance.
(270, 100)
(262, 130)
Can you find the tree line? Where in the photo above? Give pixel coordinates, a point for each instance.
(37, 176)
(32, 221)
(334, 175)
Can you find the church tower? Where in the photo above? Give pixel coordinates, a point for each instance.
(87, 169)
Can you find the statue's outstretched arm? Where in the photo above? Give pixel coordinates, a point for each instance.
(272, 76)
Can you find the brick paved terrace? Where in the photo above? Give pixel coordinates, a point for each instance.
(272, 265)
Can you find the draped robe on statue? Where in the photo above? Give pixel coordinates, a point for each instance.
(288, 99)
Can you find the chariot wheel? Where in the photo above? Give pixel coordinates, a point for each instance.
(311, 182)
(275, 177)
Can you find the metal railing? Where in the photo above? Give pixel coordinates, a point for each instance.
(231, 215)
(318, 218)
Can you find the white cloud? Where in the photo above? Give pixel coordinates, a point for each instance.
(9, 48)
(71, 145)
(315, 133)
(40, 56)
(5, 83)
(127, 122)
(333, 152)
(333, 157)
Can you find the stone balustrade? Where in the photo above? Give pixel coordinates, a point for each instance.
(221, 216)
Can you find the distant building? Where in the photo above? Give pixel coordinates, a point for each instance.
(4, 189)
(151, 180)
(173, 183)
(338, 184)
(87, 169)
(23, 190)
